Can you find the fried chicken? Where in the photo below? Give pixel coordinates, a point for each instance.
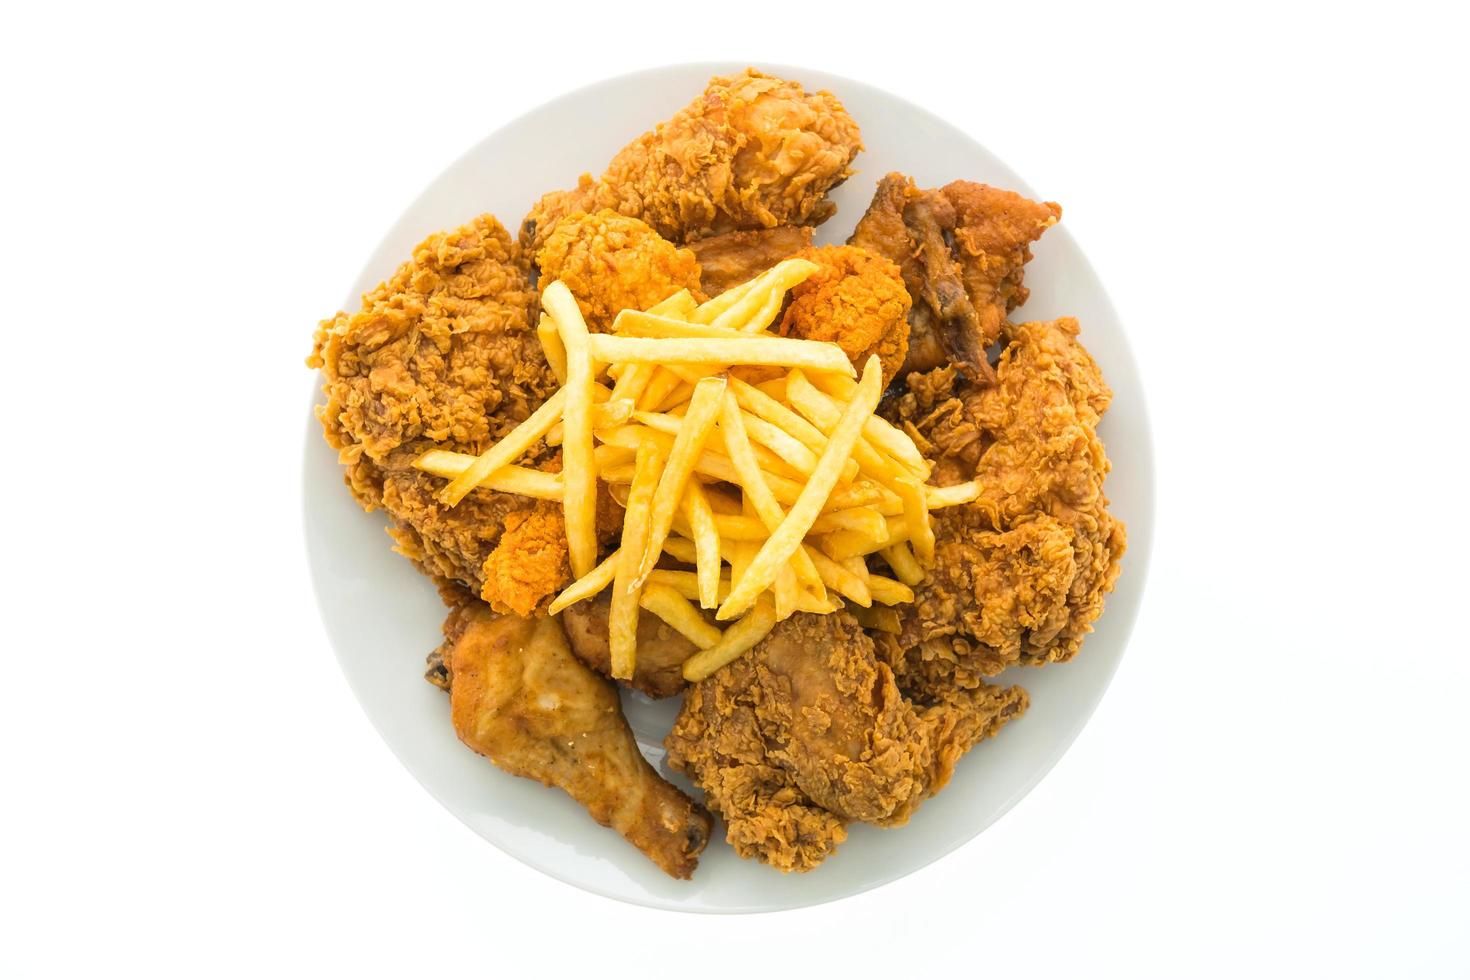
(857, 300)
(739, 256)
(611, 262)
(1023, 571)
(809, 732)
(518, 696)
(962, 250)
(659, 666)
(752, 151)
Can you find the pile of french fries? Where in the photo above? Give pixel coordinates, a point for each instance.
(756, 461)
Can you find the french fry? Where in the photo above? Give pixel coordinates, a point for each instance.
(841, 545)
(916, 517)
(737, 639)
(778, 351)
(507, 479)
(701, 518)
(786, 540)
(623, 614)
(768, 461)
(660, 385)
(779, 278)
(757, 491)
(903, 563)
(785, 591)
(694, 429)
(551, 345)
(587, 586)
(686, 583)
(713, 307)
(881, 618)
(507, 450)
(786, 448)
(960, 493)
(681, 304)
(721, 502)
(681, 549)
(579, 468)
(877, 430)
(635, 323)
(822, 605)
(609, 413)
(817, 407)
(863, 520)
(839, 579)
(668, 605)
(888, 591)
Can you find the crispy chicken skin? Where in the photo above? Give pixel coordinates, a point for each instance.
(738, 256)
(1022, 571)
(752, 151)
(857, 300)
(659, 668)
(519, 697)
(440, 355)
(611, 262)
(809, 732)
(962, 249)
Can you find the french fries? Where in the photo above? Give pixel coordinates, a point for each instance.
(770, 491)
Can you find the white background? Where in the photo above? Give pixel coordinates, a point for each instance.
(1276, 783)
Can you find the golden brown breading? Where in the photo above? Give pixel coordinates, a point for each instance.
(1023, 570)
(855, 299)
(612, 263)
(739, 256)
(752, 151)
(808, 732)
(530, 563)
(658, 669)
(518, 696)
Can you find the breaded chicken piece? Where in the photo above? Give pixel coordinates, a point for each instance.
(1023, 570)
(658, 669)
(611, 262)
(809, 732)
(739, 256)
(518, 696)
(855, 299)
(530, 563)
(752, 151)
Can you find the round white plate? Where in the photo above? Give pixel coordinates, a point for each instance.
(383, 616)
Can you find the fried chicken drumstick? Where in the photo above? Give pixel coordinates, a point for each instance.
(753, 151)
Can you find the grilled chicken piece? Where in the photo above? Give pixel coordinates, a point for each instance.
(519, 697)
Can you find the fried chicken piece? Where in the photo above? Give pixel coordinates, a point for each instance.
(809, 732)
(611, 262)
(519, 697)
(739, 256)
(1022, 571)
(752, 151)
(659, 668)
(530, 563)
(855, 299)
(963, 250)
(939, 410)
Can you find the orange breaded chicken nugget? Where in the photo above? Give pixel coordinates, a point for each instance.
(857, 300)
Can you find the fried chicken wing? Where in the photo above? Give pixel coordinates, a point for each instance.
(658, 670)
(519, 697)
(857, 300)
(1022, 571)
(963, 250)
(752, 151)
(809, 732)
(739, 256)
(611, 262)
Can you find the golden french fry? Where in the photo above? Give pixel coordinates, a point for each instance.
(609, 413)
(587, 586)
(841, 545)
(676, 398)
(579, 469)
(721, 502)
(668, 605)
(863, 520)
(916, 518)
(778, 351)
(881, 618)
(694, 429)
(838, 578)
(758, 492)
(623, 615)
(785, 591)
(701, 518)
(686, 583)
(888, 591)
(761, 318)
(777, 279)
(768, 461)
(681, 304)
(877, 430)
(817, 407)
(903, 563)
(660, 385)
(737, 639)
(960, 493)
(786, 540)
(858, 567)
(806, 602)
(508, 479)
(507, 450)
(681, 549)
(635, 323)
(706, 312)
(551, 345)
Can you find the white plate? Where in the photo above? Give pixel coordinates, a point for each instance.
(383, 617)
